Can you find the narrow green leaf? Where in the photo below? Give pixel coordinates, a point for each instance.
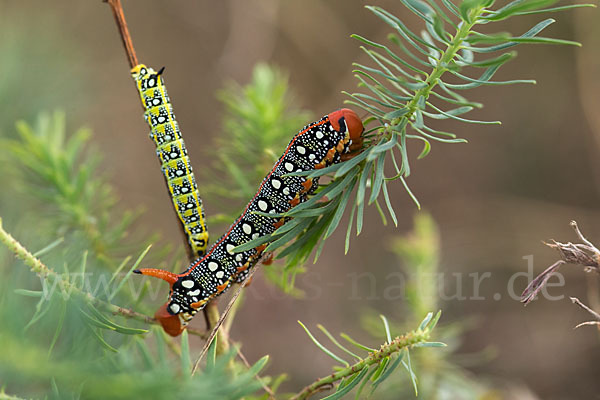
(378, 178)
(387, 328)
(386, 374)
(48, 248)
(355, 343)
(348, 165)
(425, 321)
(334, 341)
(289, 235)
(430, 344)
(388, 203)
(145, 353)
(128, 274)
(530, 33)
(103, 342)
(29, 293)
(384, 362)
(59, 326)
(413, 376)
(555, 9)
(258, 366)
(517, 6)
(39, 313)
(323, 348)
(339, 212)
(349, 229)
(118, 328)
(364, 382)
(346, 389)
(410, 193)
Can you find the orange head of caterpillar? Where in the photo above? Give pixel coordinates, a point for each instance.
(352, 122)
(185, 299)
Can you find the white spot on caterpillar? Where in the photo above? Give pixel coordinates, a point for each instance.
(311, 156)
(179, 172)
(161, 119)
(247, 228)
(188, 284)
(151, 82)
(301, 149)
(319, 135)
(286, 190)
(276, 183)
(175, 308)
(262, 205)
(238, 258)
(194, 293)
(213, 265)
(230, 248)
(289, 166)
(255, 236)
(219, 274)
(156, 102)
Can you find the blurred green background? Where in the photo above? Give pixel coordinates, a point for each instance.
(493, 199)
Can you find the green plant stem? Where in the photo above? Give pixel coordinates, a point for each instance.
(399, 343)
(46, 273)
(441, 67)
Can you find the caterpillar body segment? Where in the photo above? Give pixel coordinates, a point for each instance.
(171, 151)
(317, 145)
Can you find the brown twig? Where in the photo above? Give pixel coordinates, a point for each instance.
(117, 10)
(584, 254)
(215, 329)
(575, 300)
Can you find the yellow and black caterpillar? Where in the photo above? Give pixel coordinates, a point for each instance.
(317, 145)
(175, 163)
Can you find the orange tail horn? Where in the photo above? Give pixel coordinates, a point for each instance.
(167, 276)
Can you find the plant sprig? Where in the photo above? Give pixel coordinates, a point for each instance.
(374, 368)
(406, 88)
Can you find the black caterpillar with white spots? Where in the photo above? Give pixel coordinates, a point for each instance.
(317, 145)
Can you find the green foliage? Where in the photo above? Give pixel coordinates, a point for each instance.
(60, 175)
(370, 370)
(67, 338)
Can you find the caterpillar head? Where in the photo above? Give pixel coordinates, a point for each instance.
(146, 77)
(185, 299)
(352, 122)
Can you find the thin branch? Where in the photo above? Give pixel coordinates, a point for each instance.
(117, 10)
(399, 343)
(575, 300)
(213, 333)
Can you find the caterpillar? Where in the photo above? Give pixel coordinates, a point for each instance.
(171, 151)
(317, 145)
